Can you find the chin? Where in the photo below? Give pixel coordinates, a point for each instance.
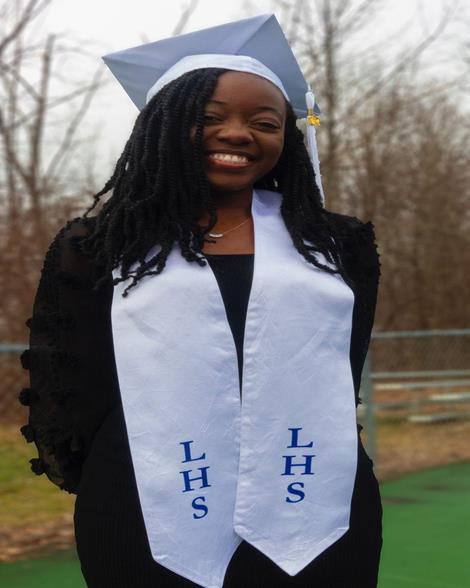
(230, 186)
(230, 180)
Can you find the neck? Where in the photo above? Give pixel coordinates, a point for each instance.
(231, 206)
(234, 202)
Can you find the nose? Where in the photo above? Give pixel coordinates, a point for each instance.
(235, 132)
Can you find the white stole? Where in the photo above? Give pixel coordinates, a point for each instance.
(276, 469)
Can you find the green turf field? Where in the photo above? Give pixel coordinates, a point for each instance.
(427, 530)
(426, 538)
(60, 570)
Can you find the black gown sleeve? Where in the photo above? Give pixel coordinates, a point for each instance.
(73, 383)
(361, 263)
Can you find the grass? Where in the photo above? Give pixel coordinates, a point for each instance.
(24, 497)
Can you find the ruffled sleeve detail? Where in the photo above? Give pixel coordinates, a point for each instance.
(63, 362)
(37, 466)
(27, 396)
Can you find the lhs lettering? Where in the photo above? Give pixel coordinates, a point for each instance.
(295, 465)
(197, 480)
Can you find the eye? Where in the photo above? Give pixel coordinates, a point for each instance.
(267, 125)
(209, 118)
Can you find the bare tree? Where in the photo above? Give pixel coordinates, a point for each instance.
(40, 132)
(411, 169)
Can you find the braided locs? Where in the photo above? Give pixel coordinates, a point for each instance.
(159, 188)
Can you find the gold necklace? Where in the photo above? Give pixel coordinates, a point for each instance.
(218, 235)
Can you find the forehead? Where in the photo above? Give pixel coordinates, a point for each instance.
(235, 86)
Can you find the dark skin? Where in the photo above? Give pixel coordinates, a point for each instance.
(243, 140)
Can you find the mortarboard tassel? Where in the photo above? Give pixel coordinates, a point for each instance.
(312, 121)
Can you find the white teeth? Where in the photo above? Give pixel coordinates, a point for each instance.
(229, 157)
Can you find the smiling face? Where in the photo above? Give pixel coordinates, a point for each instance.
(243, 134)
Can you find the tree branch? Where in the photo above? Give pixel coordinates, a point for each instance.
(39, 121)
(184, 18)
(406, 61)
(29, 13)
(74, 124)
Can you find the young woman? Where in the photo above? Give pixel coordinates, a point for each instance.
(196, 353)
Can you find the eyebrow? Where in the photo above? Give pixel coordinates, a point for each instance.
(258, 108)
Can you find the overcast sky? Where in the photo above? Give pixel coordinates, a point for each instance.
(119, 23)
(111, 25)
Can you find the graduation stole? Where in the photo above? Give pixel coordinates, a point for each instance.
(275, 468)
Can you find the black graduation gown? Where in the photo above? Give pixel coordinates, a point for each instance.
(77, 422)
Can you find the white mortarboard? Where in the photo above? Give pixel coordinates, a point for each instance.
(259, 40)
(261, 37)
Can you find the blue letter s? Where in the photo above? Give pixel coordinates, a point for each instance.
(295, 491)
(202, 507)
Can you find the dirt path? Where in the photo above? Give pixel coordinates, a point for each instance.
(23, 542)
(405, 447)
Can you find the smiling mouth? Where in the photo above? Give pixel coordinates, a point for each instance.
(228, 160)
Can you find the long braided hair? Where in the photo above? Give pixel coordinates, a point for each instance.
(159, 187)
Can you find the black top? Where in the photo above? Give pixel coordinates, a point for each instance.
(234, 273)
(77, 423)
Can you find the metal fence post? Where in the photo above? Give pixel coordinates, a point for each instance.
(366, 389)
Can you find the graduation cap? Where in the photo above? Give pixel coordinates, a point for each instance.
(255, 45)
